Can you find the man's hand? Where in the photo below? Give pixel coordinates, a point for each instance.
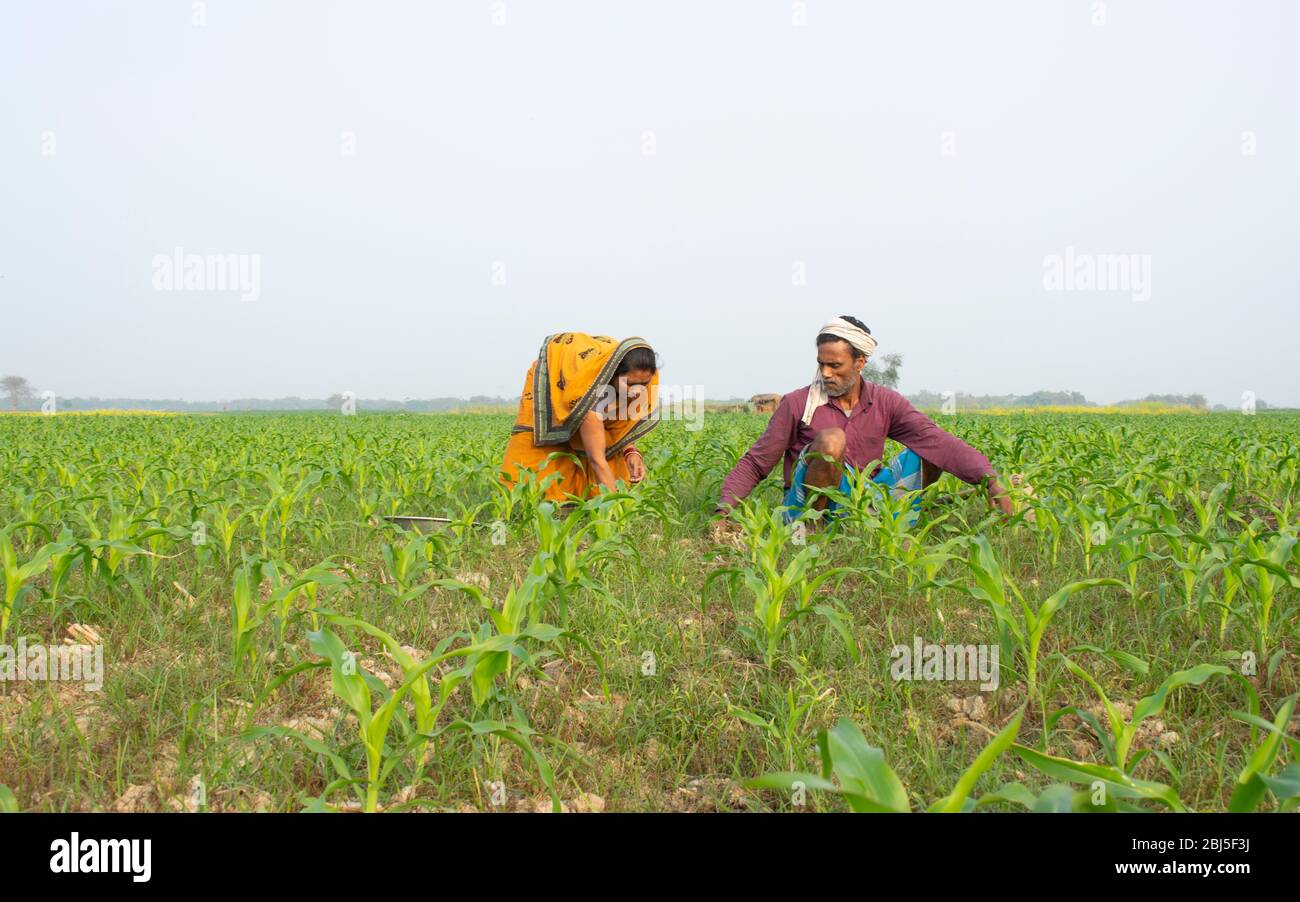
(1006, 502)
(724, 530)
(1024, 492)
(1000, 498)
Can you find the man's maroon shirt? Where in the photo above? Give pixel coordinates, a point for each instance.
(880, 413)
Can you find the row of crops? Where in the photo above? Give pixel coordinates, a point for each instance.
(272, 643)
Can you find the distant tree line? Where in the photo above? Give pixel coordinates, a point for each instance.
(21, 395)
(932, 399)
(1197, 401)
(28, 400)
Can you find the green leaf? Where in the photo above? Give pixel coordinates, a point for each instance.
(1250, 787)
(836, 620)
(1155, 702)
(1015, 793)
(345, 672)
(868, 782)
(1118, 782)
(956, 799)
(1285, 786)
(788, 780)
(751, 718)
(1061, 595)
(486, 671)
(313, 745)
(1128, 661)
(1055, 799)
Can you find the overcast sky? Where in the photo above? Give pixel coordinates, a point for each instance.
(713, 176)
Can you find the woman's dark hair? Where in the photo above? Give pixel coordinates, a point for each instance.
(853, 320)
(637, 359)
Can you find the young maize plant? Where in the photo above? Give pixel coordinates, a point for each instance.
(305, 585)
(404, 562)
(898, 544)
(526, 492)
(1193, 552)
(610, 514)
(759, 524)
(1208, 506)
(868, 784)
(865, 781)
(109, 551)
(1117, 741)
(1255, 782)
(1105, 780)
(27, 509)
(771, 586)
(358, 690)
(249, 610)
(765, 534)
(156, 539)
(1092, 530)
(1259, 573)
(66, 553)
(224, 521)
(18, 576)
(426, 710)
(1129, 538)
(567, 556)
(886, 522)
(785, 730)
(520, 616)
(1021, 625)
(1047, 530)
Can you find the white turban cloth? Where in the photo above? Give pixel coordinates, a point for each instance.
(861, 341)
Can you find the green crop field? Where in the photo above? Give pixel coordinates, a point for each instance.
(271, 643)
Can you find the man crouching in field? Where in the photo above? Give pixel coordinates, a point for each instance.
(841, 421)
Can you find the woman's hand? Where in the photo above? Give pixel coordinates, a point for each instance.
(635, 465)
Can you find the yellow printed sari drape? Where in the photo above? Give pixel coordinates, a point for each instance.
(563, 385)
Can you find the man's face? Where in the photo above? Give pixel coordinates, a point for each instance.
(840, 366)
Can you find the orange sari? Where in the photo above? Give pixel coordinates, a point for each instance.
(563, 385)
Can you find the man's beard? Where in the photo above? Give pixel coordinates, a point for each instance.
(835, 391)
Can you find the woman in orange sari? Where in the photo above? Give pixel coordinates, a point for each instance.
(589, 396)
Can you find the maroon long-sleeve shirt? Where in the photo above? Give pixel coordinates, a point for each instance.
(880, 413)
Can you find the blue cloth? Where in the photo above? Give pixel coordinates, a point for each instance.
(902, 475)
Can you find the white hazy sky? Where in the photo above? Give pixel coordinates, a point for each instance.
(126, 130)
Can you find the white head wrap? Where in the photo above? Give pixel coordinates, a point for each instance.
(861, 341)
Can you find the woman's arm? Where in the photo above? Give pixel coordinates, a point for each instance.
(592, 433)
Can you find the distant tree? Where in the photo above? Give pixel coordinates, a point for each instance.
(886, 375)
(1197, 401)
(1050, 399)
(931, 399)
(17, 388)
(334, 401)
